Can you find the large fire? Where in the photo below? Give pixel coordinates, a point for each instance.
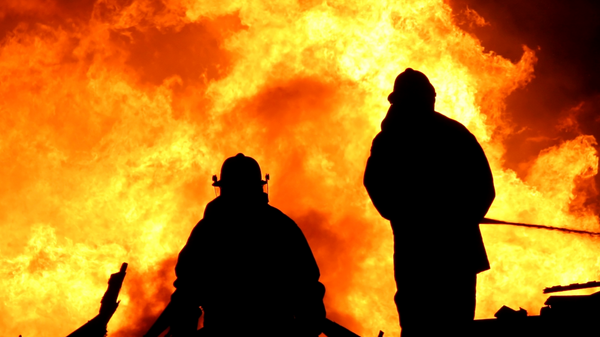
(115, 114)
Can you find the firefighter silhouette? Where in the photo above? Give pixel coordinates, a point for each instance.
(247, 265)
(429, 176)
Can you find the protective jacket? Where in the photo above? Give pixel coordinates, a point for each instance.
(251, 269)
(429, 176)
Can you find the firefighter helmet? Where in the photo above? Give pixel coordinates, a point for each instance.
(239, 171)
(414, 85)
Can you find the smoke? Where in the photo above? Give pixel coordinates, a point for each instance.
(562, 101)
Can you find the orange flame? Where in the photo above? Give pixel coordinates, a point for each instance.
(115, 114)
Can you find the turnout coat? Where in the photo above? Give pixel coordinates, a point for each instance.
(429, 176)
(249, 267)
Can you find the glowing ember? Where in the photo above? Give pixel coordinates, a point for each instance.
(115, 114)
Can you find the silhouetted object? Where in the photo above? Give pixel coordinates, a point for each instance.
(486, 221)
(509, 313)
(573, 286)
(247, 265)
(109, 304)
(572, 307)
(573, 316)
(332, 329)
(429, 176)
(329, 327)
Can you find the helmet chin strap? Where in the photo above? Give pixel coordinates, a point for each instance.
(267, 178)
(214, 179)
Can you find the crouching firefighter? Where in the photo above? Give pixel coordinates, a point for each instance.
(247, 265)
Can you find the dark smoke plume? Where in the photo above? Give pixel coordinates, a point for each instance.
(563, 100)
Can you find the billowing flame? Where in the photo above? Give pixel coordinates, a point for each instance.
(115, 114)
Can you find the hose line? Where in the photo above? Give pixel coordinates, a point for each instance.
(487, 221)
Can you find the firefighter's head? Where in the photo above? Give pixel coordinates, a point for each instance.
(240, 175)
(413, 89)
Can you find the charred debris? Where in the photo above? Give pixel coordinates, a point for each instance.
(97, 326)
(562, 315)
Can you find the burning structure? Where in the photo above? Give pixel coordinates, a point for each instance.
(567, 315)
(96, 327)
(116, 113)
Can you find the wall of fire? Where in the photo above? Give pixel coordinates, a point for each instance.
(114, 114)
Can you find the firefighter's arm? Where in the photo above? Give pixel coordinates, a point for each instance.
(309, 307)
(481, 180)
(180, 317)
(162, 323)
(473, 191)
(179, 298)
(378, 179)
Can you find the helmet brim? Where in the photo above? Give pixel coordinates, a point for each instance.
(221, 183)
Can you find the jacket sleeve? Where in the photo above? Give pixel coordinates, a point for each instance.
(308, 299)
(478, 181)
(472, 192)
(187, 270)
(378, 173)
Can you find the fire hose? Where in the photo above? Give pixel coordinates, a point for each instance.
(487, 221)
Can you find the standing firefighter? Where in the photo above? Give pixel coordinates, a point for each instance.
(247, 265)
(428, 175)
